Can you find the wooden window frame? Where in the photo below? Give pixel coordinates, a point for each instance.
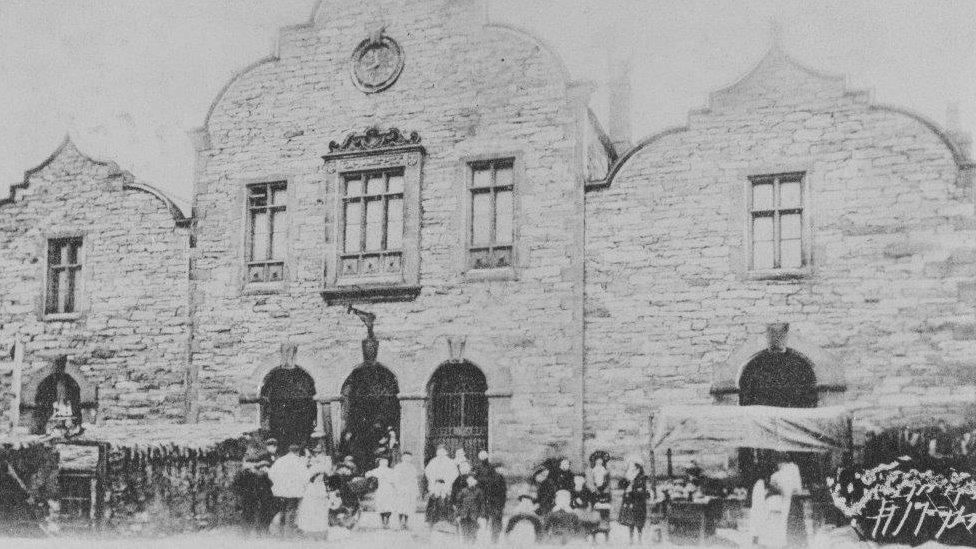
(492, 190)
(272, 210)
(383, 253)
(76, 269)
(776, 212)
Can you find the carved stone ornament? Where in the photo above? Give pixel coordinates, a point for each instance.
(373, 139)
(455, 348)
(776, 336)
(376, 62)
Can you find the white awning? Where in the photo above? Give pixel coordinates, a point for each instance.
(783, 429)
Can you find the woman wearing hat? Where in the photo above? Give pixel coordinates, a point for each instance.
(633, 508)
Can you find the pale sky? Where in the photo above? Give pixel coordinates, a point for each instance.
(129, 78)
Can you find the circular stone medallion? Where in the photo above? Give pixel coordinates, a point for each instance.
(376, 64)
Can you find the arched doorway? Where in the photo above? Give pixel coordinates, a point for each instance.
(288, 405)
(57, 387)
(785, 379)
(457, 413)
(371, 407)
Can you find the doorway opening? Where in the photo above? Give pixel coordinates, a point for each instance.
(371, 408)
(457, 415)
(783, 379)
(288, 406)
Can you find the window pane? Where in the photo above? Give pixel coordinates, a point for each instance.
(258, 196)
(53, 253)
(73, 249)
(375, 184)
(354, 187)
(789, 226)
(279, 196)
(480, 219)
(762, 196)
(762, 228)
(789, 194)
(52, 292)
(395, 184)
(481, 177)
(790, 256)
(374, 225)
(762, 255)
(503, 176)
(394, 231)
(72, 290)
(63, 291)
(259, 236)
(277, 235)
(353, 228)
(504, 217)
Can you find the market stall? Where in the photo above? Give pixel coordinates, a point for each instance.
(115, 477)
(697, 456)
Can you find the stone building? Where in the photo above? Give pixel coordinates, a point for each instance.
(538, 285)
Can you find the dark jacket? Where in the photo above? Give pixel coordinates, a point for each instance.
(495, 490)
(546, 496)
(470, 503)
(563, 480)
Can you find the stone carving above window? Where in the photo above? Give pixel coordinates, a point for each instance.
(376, 62)
(373, 140)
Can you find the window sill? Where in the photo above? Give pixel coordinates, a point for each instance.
(263, 288)
(62, 317)
(779, 274)
(369, 294)
(487, 275)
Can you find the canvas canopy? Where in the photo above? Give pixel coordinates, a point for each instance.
(784, 429)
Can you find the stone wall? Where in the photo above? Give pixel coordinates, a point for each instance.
(129, 338)
(887, 304)
(468, 89)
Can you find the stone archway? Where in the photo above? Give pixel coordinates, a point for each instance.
(457, 409)
(40, 390)
(778, 378)
(370, 407)
(287, 405)
(827, 369)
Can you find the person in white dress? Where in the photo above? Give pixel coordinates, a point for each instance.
(406, 483)
(440, 472)
(385, 490)
(313, 511)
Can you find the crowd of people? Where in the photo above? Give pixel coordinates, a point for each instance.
(562, 506)
(949, 446)
(307, 492)
(313, 494)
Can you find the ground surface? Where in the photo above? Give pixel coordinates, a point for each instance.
(369, 535)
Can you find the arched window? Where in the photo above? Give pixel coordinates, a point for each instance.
(371, 408)
(457, 414)
(778, 378)
(288, 405)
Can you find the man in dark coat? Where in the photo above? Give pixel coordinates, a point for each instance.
(470, 509)
(493, 484)
(254, 497)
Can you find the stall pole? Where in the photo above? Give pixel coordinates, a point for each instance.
(652, 466)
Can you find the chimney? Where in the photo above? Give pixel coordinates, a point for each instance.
(619, 105)
(961, 138)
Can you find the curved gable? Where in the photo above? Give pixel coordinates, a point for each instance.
(776, 69)
(68, 152)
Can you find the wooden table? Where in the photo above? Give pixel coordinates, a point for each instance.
(693, 523)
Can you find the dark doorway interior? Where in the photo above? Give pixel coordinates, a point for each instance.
(458, 410)
(56, 387)
(784, 379)
(371, 408)
(288, 405)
